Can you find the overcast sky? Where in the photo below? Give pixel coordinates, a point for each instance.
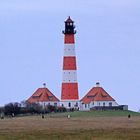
(107, 47)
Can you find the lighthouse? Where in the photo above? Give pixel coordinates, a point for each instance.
(69, 90)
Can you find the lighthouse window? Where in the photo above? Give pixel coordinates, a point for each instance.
(70, 23)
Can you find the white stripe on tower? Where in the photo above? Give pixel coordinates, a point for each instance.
(69, 76)
(69, 50)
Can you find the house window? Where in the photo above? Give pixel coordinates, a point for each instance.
(88, 105)
(93, 103)
(90, 96)
(62, 105)
(99, 103)
(85, 105)
(55, 104)
(50, 97)
(69, 105)
(76, 104)
(35, 97)
(110, 103)
(103, 104)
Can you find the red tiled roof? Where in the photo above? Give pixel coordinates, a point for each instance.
(42, 95)
(96, 94)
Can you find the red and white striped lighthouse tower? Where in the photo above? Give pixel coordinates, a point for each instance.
(69, 92)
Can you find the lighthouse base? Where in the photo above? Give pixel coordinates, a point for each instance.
(69, 104)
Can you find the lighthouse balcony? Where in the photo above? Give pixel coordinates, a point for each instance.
(69, 32)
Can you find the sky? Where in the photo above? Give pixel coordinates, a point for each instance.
(107, 47)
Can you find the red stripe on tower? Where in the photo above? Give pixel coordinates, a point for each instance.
(69, 38)
(69, 92)
(69, 88)
(69, 63)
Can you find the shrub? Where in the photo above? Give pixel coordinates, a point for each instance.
(12, 108)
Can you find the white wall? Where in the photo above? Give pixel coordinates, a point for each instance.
(96, 103)
(65, 103)
(49, 103)
(84, 107)
(100, 103)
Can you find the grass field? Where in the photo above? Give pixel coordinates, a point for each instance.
(95, 125)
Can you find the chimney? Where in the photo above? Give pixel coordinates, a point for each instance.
(97, 84)
(44, 85)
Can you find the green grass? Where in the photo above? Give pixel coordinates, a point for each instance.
(107, 113)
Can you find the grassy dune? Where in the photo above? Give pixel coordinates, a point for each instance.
(98, 113)
(97, 125)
